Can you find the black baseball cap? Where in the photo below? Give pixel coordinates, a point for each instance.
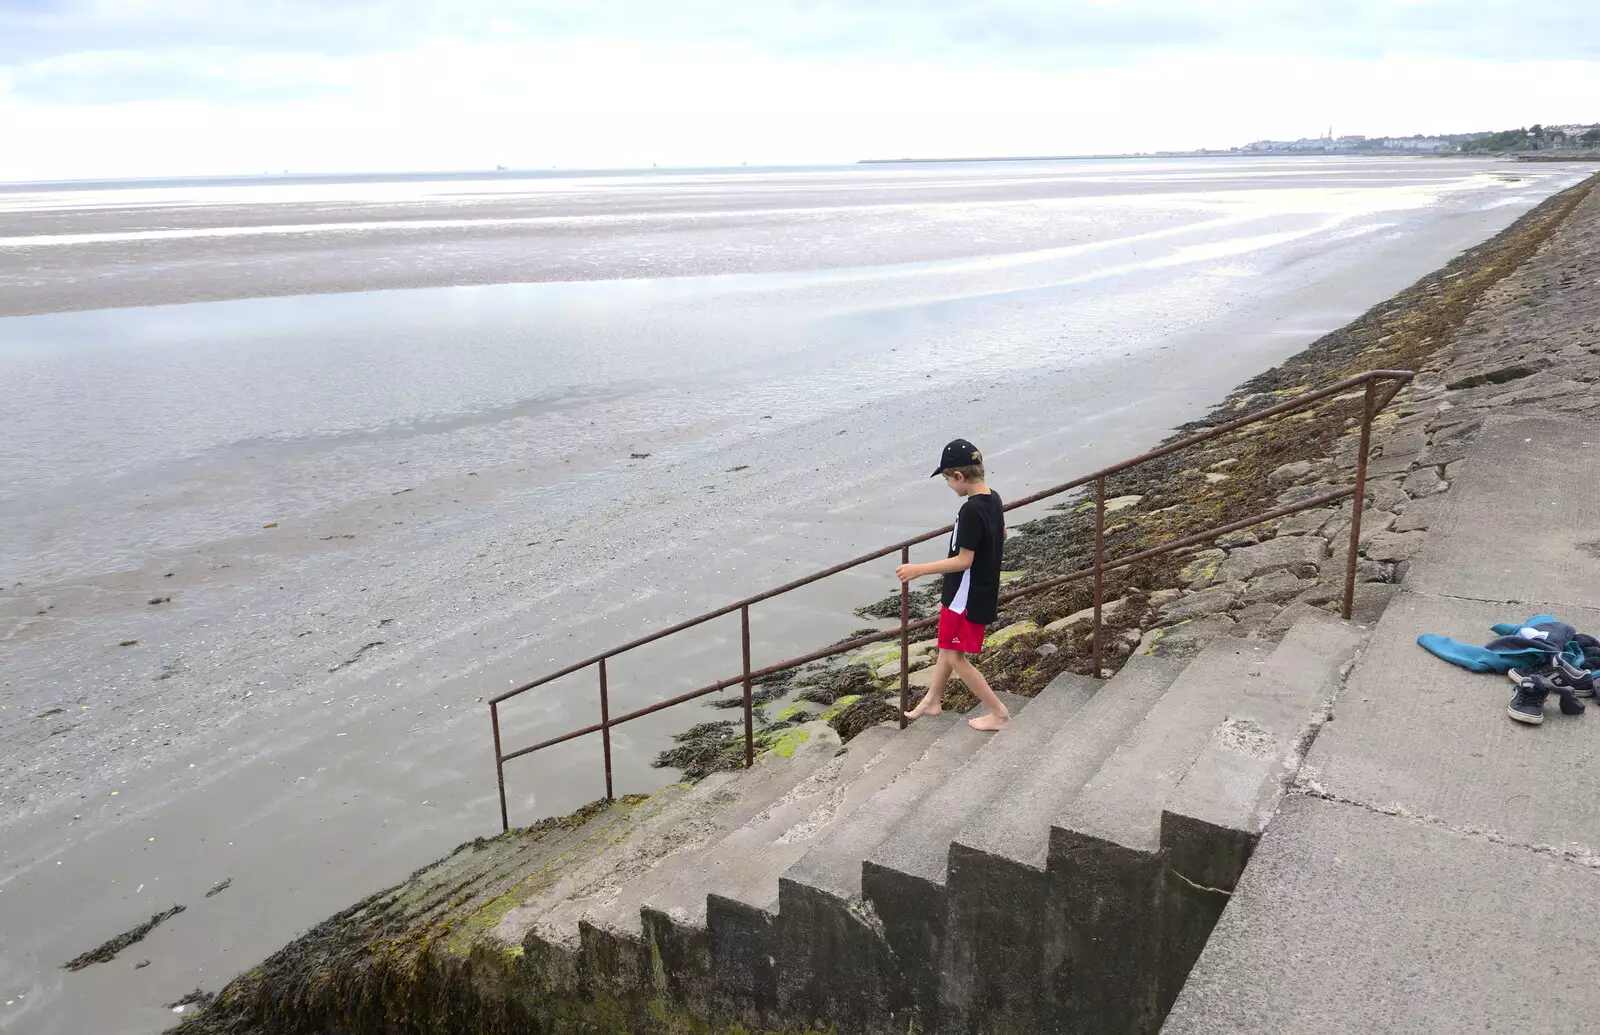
(958, 453)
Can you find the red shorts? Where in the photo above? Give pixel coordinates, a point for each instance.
(956, 633)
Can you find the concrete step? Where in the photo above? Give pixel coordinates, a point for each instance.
(742, 913)
(997, 887)
(471, 865)
(1098, 928)
(483, 877)
(548, 926)
(594, 855)
(823, 923)
(1103, 930)
(903, 877)
(656, 928)
(1215, 816)
(658, 813)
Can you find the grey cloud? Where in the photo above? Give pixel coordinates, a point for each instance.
(1036, 33)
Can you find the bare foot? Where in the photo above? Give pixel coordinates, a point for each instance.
(989, 722)
(924, 707)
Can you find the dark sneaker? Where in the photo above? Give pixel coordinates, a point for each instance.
(1527, 704)
(1581, 681)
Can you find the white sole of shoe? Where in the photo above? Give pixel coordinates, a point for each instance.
(1531, 720)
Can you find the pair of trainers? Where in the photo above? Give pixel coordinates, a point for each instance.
(1561, 677)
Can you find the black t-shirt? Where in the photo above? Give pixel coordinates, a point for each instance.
(981, 528)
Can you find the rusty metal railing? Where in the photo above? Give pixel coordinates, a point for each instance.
(1374, 400)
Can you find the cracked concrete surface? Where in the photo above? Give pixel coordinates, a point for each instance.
(1573, 854)
(1201, 887)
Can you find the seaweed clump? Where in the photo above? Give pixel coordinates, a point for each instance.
(862, 714)
(827, 684)
(924, 604)
(703, 749)
(105, 952)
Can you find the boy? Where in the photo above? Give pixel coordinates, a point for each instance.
(971, 584)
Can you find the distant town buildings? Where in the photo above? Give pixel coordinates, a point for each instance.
(1531, 138)
(1355, 142)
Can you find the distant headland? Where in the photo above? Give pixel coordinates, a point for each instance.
(1537, 143)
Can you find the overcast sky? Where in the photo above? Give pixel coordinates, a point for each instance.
(93, 88)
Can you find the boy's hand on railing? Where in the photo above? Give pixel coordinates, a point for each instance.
(907, 572)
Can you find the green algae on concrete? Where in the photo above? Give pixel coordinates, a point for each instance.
(1202, 569)
(838, 706)
(1001, 637)
(800, 711)
(784, 742)
(875, 655)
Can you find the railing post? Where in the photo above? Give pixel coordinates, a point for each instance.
(499, 765)
(1099, 565)
(605, 727)
(1358, 501)
(905, 641)
(749, 720)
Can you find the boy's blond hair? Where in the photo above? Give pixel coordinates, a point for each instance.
(970, 473)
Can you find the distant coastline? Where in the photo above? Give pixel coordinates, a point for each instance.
(1573, 142)
(1046, 158)
(1557, 156)
(1375, 153)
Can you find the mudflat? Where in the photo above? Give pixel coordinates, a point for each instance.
(102, 245)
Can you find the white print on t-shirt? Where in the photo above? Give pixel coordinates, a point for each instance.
(959, 604)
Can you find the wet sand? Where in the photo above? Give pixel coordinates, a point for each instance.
(92, 249)
(233, 739)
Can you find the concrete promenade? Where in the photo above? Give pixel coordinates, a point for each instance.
(1437, 866)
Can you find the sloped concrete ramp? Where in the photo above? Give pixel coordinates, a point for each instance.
(1522, 519)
